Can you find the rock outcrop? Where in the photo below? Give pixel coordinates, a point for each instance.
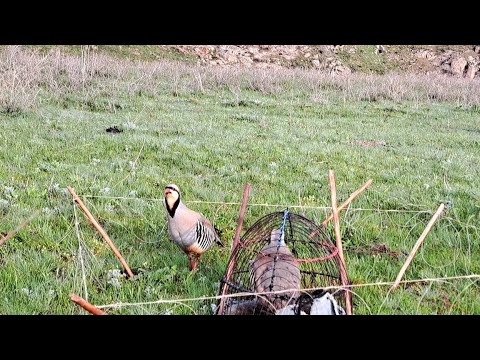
(459, 61)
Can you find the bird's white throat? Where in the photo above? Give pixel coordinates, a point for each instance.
(171, 201)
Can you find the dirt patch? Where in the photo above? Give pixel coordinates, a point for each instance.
(475, 131)
(416, 288)
(114, 130)
(447, 304)
(377, 249)
(390, 110)
(16, 236)
(137, 273)
(246, 118)
(369, 143)
(245, 103)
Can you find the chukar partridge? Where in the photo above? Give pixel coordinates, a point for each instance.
(276, 269)
(191, 231)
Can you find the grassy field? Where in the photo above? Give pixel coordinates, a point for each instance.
(210, 131)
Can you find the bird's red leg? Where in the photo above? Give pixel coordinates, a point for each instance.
(194, 262)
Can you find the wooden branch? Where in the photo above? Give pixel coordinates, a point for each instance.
(100, 230)
(236, 241)
(347, 202)
(417, 245)
(338, 236)
(12, 233)
(86, 305)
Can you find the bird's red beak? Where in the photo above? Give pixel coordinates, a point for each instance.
(167, 191)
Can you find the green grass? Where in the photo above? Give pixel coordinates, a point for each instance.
(282, 142)
(366, 60)
(131, 52)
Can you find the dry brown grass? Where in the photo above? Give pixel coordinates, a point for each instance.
(28, 77)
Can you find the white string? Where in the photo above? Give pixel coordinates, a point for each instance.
(389, 283)
(80, 252)
(260, 204)
(132, 168)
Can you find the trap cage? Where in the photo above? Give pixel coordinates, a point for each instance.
(280, 255)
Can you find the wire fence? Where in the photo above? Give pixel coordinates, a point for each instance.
(243, 294)
(259, 204)
(184, 301)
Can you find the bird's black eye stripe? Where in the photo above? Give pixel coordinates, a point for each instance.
(171, 188)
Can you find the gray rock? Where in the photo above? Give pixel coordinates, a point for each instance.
(471, 71)
(457, 66)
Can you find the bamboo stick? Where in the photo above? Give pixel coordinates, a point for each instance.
(344, 205)
(338, 236)
(100, 230)
(86, 305)
(417, 245)
(347, 202)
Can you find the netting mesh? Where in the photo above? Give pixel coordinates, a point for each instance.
(261, 262)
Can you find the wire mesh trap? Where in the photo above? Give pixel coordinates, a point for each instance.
(279, 256)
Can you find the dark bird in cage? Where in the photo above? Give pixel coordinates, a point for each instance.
(276, 269)
(282, 251)
(190, 230)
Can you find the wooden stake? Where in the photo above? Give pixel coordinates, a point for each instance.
(243, 209)
(236, 241)
(86, 305)
(417, 245)
(12, 233)
(100, 230)
(345, 204)
(349, 200)
(338, 236)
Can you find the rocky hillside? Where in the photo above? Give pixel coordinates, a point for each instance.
(457, 60)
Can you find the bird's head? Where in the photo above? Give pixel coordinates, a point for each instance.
(172, 196)
(172, 190)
